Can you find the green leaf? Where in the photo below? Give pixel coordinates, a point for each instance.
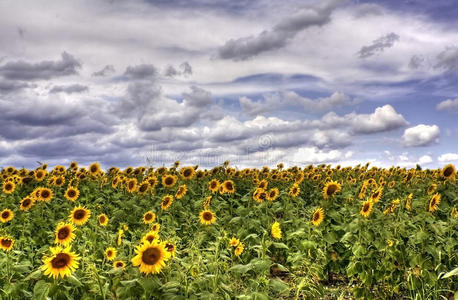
(448, 274)
(278, 286)
(74, 281)
(41, 290)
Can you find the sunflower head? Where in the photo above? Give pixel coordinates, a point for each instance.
(80, 215)
(62, 262)
(318, 216)
(273, 194)
(132, 185)
(110, 253)
(169, 181)
(330, 189)
(182, 190)
(8, 187)
(187, 173)
(233, 242)
(434, 202)
(228, 187)
(102, 219)
(166, 201)
(276, 231)
(64, 234)
(366, 208)
(294, 190)
(170, 248)
(45, 195)
(207, 217)
(143, 187)
(213, 185)
(26, 203)
(119, 264)
(156, 227)
(94, 169)
(6, 243)
(151, 257)
(448, 172)
(149, 217)
(71, 193)
(239, 249)
(151, 236)
(6, 215)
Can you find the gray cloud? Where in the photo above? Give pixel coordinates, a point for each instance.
(8, 86)
(448, 59)
(143, 71)
(379, 45)
(277, 37)
(185, 70)
(416, 62)
(271, 102)
(107, 70)
(449, 105)
(69, 89)
(22, 70)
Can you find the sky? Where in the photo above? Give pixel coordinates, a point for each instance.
(258, 82)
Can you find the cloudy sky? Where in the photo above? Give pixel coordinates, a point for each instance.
(254, 81)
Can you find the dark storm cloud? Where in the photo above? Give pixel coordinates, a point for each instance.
(379, 45)
(277, 37)
(107, 70)
(69, 89)
(8, 86)
(22, 70)
(141, 71)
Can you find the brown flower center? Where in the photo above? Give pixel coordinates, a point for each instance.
(45, 194)
(148, 217)
(119, 264)
(448, 172)
(79, 214)
(60, 261)
(26, 202)
(102, 219)
(229, 186)
(8, 187)
(207, 216)
(151, 256)
(366, 207)
(316, 216)
(169, 181)
(63, 233)
(331, 189)
(143, 188)
(5, 214)
(6, 242)
(71, 193)
(187, 172)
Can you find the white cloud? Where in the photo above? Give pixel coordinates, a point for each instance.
(307, 155)
(384, 118)
(449, 105)
(425, 159)
(448, 157)
(421, 135)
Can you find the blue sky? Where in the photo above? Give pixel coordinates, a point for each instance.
(253, 82)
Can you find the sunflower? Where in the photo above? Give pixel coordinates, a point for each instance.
(72, 193)
(318, 216)
(80, 215)
(276, 231)
(59, 181)
(238, 250)
(143, 187)
(294, 190)
(182, 190)
(234, 242)
(170, 248)
(6, 215)
(151, 257)
(94, 169)
(6, 243)
(375, 197)
(156, 227)
(330, 189)
(110, 253)
(166, 202)
(103, 220)
(119, 264)
(132, 185)
(213, 185)
(207, 217)
(26, 203)
(40, 174)
(263, 184)
(187, 172)
(64, 234)
(74, 165)
(257, 195)
(149, 217)
(150, 236)
(366, 208)
(409, 201)
(45, 195)
(169, 181)
(448, 172)
(228, 187)
(62, 262)
(434, 202)
(8, 187)
(273, 194)
(431, 189)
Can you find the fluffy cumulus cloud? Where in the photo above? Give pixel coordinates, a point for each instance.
(421, 135)
(448, 157)
(450, 105)
(384, 118)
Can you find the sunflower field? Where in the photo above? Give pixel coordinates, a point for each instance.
(314, 232)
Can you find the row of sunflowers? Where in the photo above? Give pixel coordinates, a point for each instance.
(184, 232)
